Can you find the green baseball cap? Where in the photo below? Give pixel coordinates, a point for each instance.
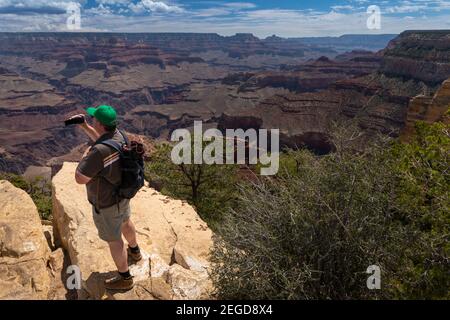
(106, 115)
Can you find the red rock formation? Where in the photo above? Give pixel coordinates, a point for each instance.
(160, 82)
(427, 108)
(311, 76)
(420, 55)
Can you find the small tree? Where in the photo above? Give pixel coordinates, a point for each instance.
(210, 188)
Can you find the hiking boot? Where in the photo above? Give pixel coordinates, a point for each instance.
(119, 283)
(135, 256)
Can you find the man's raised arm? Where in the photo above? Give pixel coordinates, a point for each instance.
(87, 128)
(90, 131)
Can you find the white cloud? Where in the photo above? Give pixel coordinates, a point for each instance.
(137, 8)
(145, 6)
(159, 6)
(100, 10)
(61, 4)
(287, 23)
(211, 12)
(223, 9)
(240, 5)
(415, 6)
(345, 7)
(405, 8)
(229, 18)
(113, 2)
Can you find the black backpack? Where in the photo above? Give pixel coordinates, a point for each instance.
(132, 164)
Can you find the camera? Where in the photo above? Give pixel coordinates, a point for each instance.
(74, 120)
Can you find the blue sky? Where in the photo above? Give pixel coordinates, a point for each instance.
(288, 18)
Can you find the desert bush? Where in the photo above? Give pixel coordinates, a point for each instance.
(312, 231)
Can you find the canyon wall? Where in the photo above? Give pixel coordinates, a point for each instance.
(428, 109)
(419, 55)
(161, 82)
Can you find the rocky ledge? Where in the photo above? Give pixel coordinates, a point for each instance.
(23, 248)
(37, 261)
(175, 243)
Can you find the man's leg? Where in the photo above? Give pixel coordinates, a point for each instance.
(109, 225)
(119, 255)
(129, 232)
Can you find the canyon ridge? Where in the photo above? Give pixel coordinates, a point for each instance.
(160, 82)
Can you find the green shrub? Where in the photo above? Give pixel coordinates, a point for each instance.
(423, 200)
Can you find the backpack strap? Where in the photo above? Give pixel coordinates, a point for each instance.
(124, 136)
(114, 144)
(118, 147)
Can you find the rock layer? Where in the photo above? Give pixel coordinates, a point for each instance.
(420, 55)
(161, 82)
(427, 108)
(175, 242)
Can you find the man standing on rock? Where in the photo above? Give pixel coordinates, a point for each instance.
(100, 170)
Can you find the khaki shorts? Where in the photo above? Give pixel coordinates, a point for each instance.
(109, 220)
